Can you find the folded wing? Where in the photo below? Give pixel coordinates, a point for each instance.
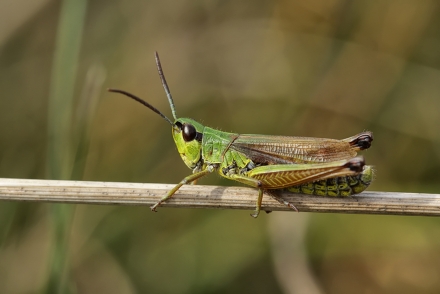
(263, 149)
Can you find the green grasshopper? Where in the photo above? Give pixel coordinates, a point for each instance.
(313, 166)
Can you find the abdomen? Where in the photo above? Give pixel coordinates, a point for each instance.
(337, 187)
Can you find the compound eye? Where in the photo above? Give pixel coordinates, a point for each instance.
(189, 132)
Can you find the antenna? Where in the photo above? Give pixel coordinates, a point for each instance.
(165, 85)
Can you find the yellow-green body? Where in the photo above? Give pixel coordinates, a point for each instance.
(313, 166)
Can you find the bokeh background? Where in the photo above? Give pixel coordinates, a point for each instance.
(308, 68)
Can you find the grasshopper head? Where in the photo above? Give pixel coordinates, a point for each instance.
(187, 135)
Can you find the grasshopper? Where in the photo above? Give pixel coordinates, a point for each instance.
(306, 165)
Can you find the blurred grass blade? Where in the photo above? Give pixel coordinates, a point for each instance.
(59, 145)
(64, 69)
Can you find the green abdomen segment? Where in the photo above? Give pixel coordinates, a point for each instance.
(337, 187)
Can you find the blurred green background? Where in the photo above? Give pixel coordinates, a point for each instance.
(306, 68)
